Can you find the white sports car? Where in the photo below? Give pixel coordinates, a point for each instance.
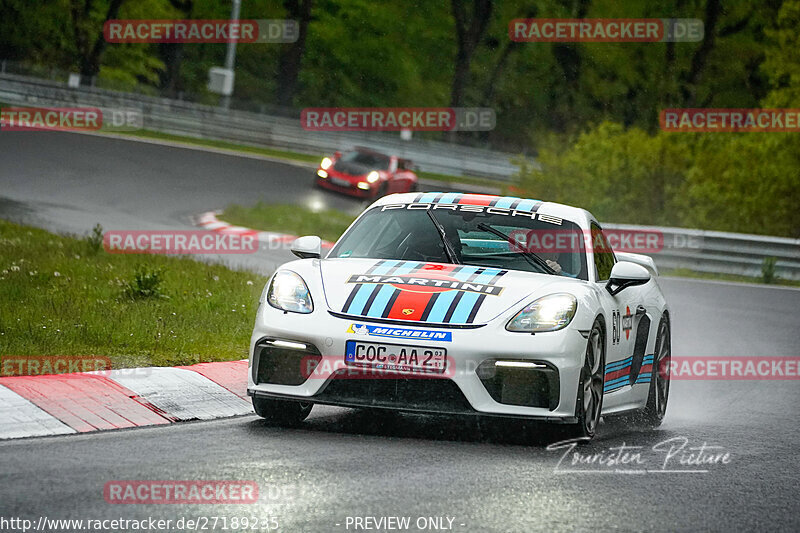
(465, 304)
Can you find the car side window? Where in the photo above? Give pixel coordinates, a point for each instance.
(603, 254)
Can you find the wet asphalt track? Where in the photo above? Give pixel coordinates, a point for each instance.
(488, 476)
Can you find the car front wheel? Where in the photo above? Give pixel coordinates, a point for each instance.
(590, 387)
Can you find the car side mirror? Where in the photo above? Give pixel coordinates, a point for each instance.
(307, 247)
(625, 274)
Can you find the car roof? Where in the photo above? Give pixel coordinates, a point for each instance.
(365, 150)
(575, 214)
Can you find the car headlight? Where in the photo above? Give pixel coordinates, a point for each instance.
(549, 313)
(373, 176)
(288, 292)
(326, 162)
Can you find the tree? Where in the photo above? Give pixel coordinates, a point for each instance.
(468, 35)
(172, 54)
(89, 39)
(291, 57)
(782, 63)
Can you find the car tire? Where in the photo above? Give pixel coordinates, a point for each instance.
(589, 402)
(281, 412)
(653, 413)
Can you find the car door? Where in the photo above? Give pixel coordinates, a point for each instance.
(404, 176)
(392, 183)
(624, 313)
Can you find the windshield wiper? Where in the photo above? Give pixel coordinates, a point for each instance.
(448, 246)
(527, 254)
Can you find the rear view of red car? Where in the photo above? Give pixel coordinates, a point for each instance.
(366, 173)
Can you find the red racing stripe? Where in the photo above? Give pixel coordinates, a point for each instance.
(415, 301)
(433, 268)
(618, 374)
(478, 199)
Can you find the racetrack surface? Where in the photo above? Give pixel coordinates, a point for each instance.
(489, 476)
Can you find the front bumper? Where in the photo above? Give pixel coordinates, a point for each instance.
(472, 383)
(350, 189)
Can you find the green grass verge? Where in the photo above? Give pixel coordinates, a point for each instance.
(686, 273)
(64, 296)
(282, 218)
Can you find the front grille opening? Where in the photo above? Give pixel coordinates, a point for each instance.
(527, 387)
(428, 394)
(279, 365)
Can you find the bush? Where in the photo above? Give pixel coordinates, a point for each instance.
(146, 283)
(768, 270)
(619, 175)
(95, 239)
(741, 182)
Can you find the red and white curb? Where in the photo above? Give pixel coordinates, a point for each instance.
(60, 404)
(273, 240)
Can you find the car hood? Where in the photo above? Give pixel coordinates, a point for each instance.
(423, 292)
(350, 168)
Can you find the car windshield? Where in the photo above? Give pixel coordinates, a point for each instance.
(406, 232)
(358, 162)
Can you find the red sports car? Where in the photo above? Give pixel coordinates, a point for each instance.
(365, 173)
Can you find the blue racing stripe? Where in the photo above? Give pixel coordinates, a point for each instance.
(428, 197)
(528, 205)
(441, 306)
(449, 198)
(506, 201)
(617, 381)
(385, 292)
(380, 301)
(611, 367)
(356, 307)
(407, 267)
(385, 267)
(468, 300)
(464, 308)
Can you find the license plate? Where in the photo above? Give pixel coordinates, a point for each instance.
(393, 357)
(340, 182)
